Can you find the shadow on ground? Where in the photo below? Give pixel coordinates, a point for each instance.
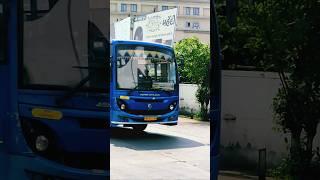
(124, 137)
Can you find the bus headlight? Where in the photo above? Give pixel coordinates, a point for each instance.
(172, 106)
(42, 143)
(122, 106)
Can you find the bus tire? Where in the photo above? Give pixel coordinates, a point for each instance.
(139, 127)
(171, 124)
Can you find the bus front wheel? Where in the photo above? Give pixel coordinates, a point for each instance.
(139, 127)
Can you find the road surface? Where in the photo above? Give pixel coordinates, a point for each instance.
(161, 152)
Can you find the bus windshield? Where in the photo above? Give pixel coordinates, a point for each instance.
(145, 68)
(64, 42)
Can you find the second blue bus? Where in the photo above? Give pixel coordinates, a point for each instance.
(144, 87)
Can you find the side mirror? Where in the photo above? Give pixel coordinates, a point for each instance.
(3, 31)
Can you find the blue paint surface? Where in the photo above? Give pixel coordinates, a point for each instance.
(17, 160)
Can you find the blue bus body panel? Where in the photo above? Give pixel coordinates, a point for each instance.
(3, 161)
(71, 137)
(16, 158)
(85, 101)
(138, 103)
(22, 167)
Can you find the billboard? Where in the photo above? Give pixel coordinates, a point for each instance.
(156, 27)
(122, 29)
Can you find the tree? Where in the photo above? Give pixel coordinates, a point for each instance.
(285, 37)
(193, 59)
(234, 39)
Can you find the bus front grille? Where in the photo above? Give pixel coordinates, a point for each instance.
(148, 112)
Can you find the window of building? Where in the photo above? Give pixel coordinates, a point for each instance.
(123, 8)
(196, 11)
(178, 9)
(165, 8)
(188, 24)
(195, 25)
(187, 10)
(134, 8)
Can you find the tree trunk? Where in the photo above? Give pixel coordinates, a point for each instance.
(204, 111)
(295, 155)
(308, 155)
(309, 147)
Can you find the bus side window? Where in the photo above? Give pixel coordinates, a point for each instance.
(34, 9)
(3, 35)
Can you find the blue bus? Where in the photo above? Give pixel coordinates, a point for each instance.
(215, 91)
(54, 82)
(57, 99)
(144, 87)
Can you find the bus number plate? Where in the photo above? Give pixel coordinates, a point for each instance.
(150, 118)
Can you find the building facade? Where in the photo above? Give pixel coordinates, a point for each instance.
(193, 15)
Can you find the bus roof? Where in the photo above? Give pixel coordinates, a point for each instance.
(118, 41)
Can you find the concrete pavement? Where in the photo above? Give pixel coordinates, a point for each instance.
(162, 152)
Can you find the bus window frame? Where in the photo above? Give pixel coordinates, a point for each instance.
(4, 31)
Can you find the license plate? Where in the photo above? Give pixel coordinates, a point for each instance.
(150, 118)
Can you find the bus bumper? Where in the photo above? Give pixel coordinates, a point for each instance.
(123, 118)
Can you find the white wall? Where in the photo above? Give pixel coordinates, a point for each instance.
(187, 93)
(247, 96)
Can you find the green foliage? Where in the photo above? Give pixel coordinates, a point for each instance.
(284, 36)
(202, 96)
(287, 39)
(282, 171)
(193, 59)
(234, 40)
(185, 111)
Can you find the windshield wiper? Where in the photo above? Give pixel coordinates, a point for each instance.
(131, 90)
(168, 92)
(78, 86)
(72, 91)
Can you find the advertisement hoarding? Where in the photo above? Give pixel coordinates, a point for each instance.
(156, 27)
(122, 29)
